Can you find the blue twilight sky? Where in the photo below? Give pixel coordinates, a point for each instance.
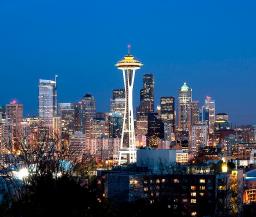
(211, 44)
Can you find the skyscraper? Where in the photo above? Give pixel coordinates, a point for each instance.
(208, 113)
(115, 125)
(14, 115)
(167, 114)
(128, 65)
(184, 110)
(147, 94)
(141, 124)
(167, 110)
(155, 130)
(47, 101)
(85, 112)
(199, 137)
(118, 94)
(117, 109)
(118, 101)
(67, 113)
(195, 112)
(100, 126)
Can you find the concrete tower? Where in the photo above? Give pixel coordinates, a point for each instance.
(128, 65)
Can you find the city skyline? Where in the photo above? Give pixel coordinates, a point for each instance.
(128, 108)
(30, 111)
(214, 54)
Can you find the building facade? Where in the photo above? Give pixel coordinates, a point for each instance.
(147, 94)
(167, 115)
(184, 108)
(47, 101)
(13, 123)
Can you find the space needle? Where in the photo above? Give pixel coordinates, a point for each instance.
(127, 152)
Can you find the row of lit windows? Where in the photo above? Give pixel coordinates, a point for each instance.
(158, 181)
(193, 187)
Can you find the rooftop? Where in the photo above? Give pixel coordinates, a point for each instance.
(184, 87)
(129, 62)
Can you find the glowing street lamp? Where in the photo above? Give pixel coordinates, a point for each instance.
(21, 174)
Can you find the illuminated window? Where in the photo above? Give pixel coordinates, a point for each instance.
(193, 194)
(202, 180)
(163, 180)
(185, 200)
(158, 181)
(133, 182)
(193, 214)
(222, 187)
(193, 201)
(234, 173)
(202, 194)
(176, 181)
(145, 189)
(193, 187)
(202, 188)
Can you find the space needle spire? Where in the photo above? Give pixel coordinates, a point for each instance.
(127, 152)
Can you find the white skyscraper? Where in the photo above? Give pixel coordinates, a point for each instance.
(127, 152)
(47, 101)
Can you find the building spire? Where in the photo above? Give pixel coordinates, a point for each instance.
(129, 48)
(55, 78)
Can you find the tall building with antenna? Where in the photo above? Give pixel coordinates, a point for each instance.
(128, 65)
(47, 100)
